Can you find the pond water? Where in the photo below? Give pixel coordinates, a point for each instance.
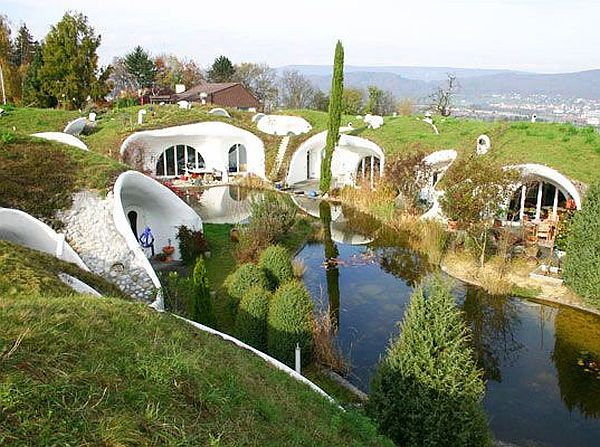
(541, 362)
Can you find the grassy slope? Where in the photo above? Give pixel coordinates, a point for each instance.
(39, 177)
(574, 152)
(79, 370)
(28, 272)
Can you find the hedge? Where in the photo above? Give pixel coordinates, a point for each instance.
(251, 321)
(277, 264)
(243, 279)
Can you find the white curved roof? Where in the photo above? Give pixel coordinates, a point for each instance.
(220, 112)
(208, 128)
(553, 176)
(441, 157)
(23, 229)
(75, 127)
(283, 125)
(61, 137)
(162, 209)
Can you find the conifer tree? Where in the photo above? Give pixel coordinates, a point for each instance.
(200, 306)
(428, 389)
(141, 67)
(222, 70)
(335, 116)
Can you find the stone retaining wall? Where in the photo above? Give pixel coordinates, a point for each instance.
(90, 230)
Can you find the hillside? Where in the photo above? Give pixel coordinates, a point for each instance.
(80, 370)
(574, 152)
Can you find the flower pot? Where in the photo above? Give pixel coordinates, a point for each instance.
(168, 250)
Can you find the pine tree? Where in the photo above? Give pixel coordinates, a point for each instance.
(582, 263)
(24, 47)
(141, 67)
(335, 116)
(32, 84)
(69, 72)
(200, 305)
(428, 389)
(222, 70)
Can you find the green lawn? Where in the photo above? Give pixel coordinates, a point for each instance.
(573, 151)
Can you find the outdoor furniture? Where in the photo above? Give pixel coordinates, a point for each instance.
(206, 174)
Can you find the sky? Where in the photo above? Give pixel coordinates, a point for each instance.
(546, 36)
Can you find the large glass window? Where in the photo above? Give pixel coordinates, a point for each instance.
(238, 160)
(175, 159)
(368, 169)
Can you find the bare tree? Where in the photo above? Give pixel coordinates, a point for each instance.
(296, 91)
(443, 98)
(260, 79)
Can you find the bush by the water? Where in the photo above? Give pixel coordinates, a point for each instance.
(251, 321)
(199, 304)
(290, 322)
(582, 263)
(277, 264)
(191, 244)
(428, 389)
(243, 279)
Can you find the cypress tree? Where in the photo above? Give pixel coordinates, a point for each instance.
(582, 263)
(335, 116)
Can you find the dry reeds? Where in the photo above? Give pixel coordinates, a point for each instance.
(327, 351)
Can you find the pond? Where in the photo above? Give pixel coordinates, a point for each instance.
(541, 362)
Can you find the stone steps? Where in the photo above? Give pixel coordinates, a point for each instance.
(280, 154)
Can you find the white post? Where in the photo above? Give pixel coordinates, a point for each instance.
(523, 196)
(538, 208)
(141, 114)
(237, 157)
(2, 83)
(372, 167)
(555, 204)
(363, 168)
(298, 360)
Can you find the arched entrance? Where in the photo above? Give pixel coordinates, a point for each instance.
(175, 159)
(368, 169)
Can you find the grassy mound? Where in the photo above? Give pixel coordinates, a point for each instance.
(40, 177)
(573, 151)
(27, 272)
(81, 370)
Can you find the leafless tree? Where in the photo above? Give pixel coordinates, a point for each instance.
(260, 79)
(442, 99)
(296, 91)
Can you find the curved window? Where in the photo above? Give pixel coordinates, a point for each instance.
(368, 169)
(237, 158)
(176, 160)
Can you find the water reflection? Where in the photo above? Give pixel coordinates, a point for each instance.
(494, 323)
(332, 272)
(222, 204)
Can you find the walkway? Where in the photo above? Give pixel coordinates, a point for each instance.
(280, 154)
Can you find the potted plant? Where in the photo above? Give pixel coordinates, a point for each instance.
(168, 250)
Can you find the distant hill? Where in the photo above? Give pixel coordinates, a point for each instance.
(418, 82)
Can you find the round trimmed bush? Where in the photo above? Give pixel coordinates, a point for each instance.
(251, 321)
(290, 322)
(582, 263)
(277, 264)
(243, 279)
(428, 389)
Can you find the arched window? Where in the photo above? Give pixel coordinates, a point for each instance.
(237, 158)
(368, 169)
(175, 159)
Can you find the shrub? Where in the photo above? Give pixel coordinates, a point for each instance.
(290, 323)
(251, 321)
(191, 244)
(277, 264)
(199, 305)
(243, 279)
(428, 389)
(582, 263)
(177, 291)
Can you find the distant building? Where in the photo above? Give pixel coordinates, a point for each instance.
(228, 94)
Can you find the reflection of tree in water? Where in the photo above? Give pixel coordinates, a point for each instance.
(332, 272)
(576, 356)
(404, 263)
(494, 321)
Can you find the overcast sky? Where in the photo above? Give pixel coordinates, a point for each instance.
(533, 35)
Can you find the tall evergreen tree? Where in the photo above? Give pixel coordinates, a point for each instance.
(200, 305)
(32, 84)
(335, 116)
(428, 389)
(141, 67)
(222, 70)
(24, 47)
(69, 72)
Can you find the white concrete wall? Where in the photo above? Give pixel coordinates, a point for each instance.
(211, 139)
(64, 138)
(283, 125)
(346, 157)
(21, 228)
(157, 206)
